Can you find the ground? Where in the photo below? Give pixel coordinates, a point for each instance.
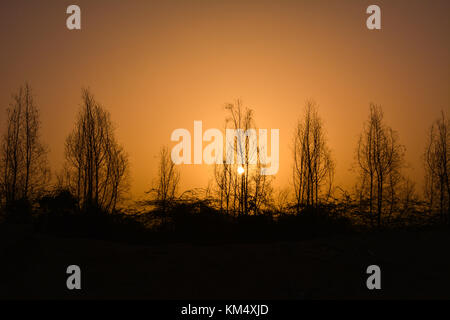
(413, 265)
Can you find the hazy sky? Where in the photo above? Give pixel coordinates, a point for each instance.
(160, 65)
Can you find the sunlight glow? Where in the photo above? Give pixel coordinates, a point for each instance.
(240, 170)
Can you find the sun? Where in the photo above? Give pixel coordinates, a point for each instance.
(240, 170)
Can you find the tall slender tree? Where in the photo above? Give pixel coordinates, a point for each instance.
(437, 165)
(242, 187)
(25, 172)
(165, 187)
(97, 166)
(313, 167)
(379, 158)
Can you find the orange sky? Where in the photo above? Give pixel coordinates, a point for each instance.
(160, 65)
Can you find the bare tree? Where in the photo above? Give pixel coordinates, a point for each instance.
(25, 172)
(282, 200)
(223, 179)
(242, 187)
(408, 196)
(96, 165)
(313, 168)
(437, 155)
(165, 187)
(379, 159)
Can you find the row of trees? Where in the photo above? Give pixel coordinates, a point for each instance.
(382, 188)
(96, 167)
(95, 172)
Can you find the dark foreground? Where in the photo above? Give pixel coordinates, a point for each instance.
(413, 265)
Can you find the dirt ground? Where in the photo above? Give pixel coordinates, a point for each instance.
(413, 265)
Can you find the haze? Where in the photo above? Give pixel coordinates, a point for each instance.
(160, 65)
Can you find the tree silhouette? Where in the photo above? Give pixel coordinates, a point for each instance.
(379, 158)
(437, 164)
(242, 188)
(96, 165)
(25, 172)
(165, 187)
(313, 167)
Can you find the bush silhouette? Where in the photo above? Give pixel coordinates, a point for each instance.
(18, 211)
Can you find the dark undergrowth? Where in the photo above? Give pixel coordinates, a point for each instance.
(192, 223)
